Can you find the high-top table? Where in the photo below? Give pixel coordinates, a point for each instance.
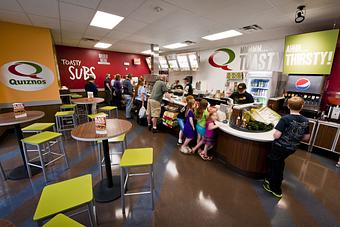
(8, 119)
(88, 101)
(107, 189)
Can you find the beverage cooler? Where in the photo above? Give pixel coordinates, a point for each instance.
(263, 85)
(308, 87)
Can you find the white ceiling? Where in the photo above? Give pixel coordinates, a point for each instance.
(179, 20)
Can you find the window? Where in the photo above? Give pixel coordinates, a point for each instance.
(183, 62)
(193, 62)
(163, 63)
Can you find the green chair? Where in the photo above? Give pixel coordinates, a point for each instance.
(38, 127)
(109, 110)
(119, 139)
(137, 157)
(65, 120)
(42, 141)
(93, 116)
(62, 220)
(66, 107)
(64, 197)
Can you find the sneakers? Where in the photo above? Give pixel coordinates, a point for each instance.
(179, 142)
(184, 150)
(267, 188)
(154, 130)
(337, 165)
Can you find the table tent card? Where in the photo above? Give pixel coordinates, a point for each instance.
(19, 110)
(90, 95)
(100, 123)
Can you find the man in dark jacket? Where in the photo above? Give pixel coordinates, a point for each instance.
(128, 92)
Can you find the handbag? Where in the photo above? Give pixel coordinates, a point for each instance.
(142, 112)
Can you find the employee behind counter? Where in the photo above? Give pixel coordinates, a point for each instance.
(241, 96)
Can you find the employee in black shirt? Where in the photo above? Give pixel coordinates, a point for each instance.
(241, 96)
(187, 87)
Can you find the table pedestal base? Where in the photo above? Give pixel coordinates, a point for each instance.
(20, 172)
(103, 194)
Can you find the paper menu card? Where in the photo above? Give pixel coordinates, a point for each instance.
(100, 123)
(19, 110)
(90, 95)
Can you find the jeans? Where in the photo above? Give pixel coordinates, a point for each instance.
(128, 105)
(276, 164)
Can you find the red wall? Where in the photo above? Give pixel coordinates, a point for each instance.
(77, 64)
(334, 80)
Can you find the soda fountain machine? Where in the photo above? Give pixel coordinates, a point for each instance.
(308, 87)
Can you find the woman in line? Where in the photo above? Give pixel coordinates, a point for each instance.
(140, 97)
(117, 91)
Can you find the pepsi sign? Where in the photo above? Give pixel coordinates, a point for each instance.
(302, 84)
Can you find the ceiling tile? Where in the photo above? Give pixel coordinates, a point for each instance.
(48, 8)
(92, 4)
(146, 13)
(96, 33)
(119, 7)
(70, 26)
(46, 22)
(14, 17)
(86, 44)
(10, 5)
(71, 36)
(130, 26)
(76, 13)
(116, 35)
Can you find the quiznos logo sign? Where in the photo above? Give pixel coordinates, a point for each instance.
(26, 75)
(228, 57)
(302, 84)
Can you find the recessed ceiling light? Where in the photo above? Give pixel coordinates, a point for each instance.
(103, 45)
(175, 45)
(146, 52)
(222, 35)
(105, 20)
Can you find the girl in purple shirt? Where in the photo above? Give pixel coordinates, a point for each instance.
(189, 127)
(209, 136)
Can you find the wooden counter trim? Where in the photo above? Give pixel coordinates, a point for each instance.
(244, 156)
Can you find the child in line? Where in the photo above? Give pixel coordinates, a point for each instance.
(290, 130)
(201, 115)
(189, 127)
(209, 136)
(181, 120)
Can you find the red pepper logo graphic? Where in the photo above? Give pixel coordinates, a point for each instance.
(38, 69)
(224, 66)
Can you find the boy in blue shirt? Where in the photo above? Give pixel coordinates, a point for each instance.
(289, 131)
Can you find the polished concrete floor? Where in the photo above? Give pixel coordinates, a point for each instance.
(189, 191)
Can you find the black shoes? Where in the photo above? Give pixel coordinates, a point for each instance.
(154, 130)
(266, 187)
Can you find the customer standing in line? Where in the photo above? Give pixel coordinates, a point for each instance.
(181, 120)
(209, 139)
(140, 96)
(128, 92)
(153, 111)
(91, 87)
(108, 89)
(201, 115)
(189, 127)
(290, 130)
(117, 91)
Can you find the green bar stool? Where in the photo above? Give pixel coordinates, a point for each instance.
(62, 220)
(119, 139)
(136, 157)
(66, 107)
(65, 120)
(109, 110)
(75, 96)
(93, 116)
(66, 196)
(38, 127)
(42, 142)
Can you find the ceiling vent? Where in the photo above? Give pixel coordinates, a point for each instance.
(251, 28)
(89, 39)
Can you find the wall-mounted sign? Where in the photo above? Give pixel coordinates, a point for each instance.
(103, 59)
(310, 53)
(136, 61)
(235, 75)
(26, 75)
(229, 57)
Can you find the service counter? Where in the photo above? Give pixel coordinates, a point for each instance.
(244, 152)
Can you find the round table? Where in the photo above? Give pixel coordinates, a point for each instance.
(107, 189)
(88, 101)
(7, 119)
